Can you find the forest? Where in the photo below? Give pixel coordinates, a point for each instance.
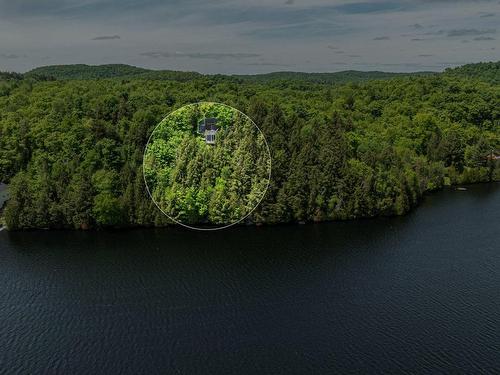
(216, 181)
(72, 144)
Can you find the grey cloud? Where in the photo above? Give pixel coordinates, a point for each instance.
(371, 7)
(405, 65)
(173, 8)
(210, 34)
(102, 10)
(467, 32)
(106, 37)
(480, 38)
(301, 20)
(309, 29)
(265, 64)
(453, 62)
(200, 55)
(425, 55)
(401, 64)
(456, 1)
(439, 32)
(30, 7)
(9, 56)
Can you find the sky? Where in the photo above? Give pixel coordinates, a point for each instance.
(250, 36)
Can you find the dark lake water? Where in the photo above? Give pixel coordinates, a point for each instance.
(419, 293)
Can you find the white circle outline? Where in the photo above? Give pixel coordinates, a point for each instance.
(239, 220)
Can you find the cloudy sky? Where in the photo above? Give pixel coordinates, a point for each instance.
(242, 36)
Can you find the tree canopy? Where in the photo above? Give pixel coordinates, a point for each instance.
(195, 182)
(71, 149)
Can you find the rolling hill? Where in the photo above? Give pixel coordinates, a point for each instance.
(487, 71)
(84, 72)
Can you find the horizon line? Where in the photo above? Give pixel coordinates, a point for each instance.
(246, 74)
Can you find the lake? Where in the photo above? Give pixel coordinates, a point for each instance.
(418, 293)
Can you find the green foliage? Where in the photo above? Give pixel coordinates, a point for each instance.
(193, 182)
(72, 150)
(486, 71)
(82, 71)
(284, 78)
(106, 209)
(88, 72)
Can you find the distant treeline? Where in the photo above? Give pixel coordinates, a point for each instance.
(89, 72)
(6, 76)
(71, 150)
(486, 71)
(85, 72)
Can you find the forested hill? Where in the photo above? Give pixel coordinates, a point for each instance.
(71, 150)
(337, 77)
(487, 71)
(85, 72)
(4, 76)
(82, 71)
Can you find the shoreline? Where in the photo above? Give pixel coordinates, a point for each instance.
(453, 188)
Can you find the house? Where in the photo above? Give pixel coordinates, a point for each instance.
(493, 156)
(208, 127)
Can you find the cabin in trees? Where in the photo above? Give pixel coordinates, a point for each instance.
(208, 127)
(493, 155)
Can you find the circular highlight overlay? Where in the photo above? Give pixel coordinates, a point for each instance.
(207, 166)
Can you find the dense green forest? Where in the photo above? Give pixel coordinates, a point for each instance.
(81, 71)
(89, 72)
(195, 182)
(71, 149)
(489, 72)
(338, 77)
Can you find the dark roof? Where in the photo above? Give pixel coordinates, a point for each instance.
(209, 123)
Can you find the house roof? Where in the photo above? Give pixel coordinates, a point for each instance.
(209, 123)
